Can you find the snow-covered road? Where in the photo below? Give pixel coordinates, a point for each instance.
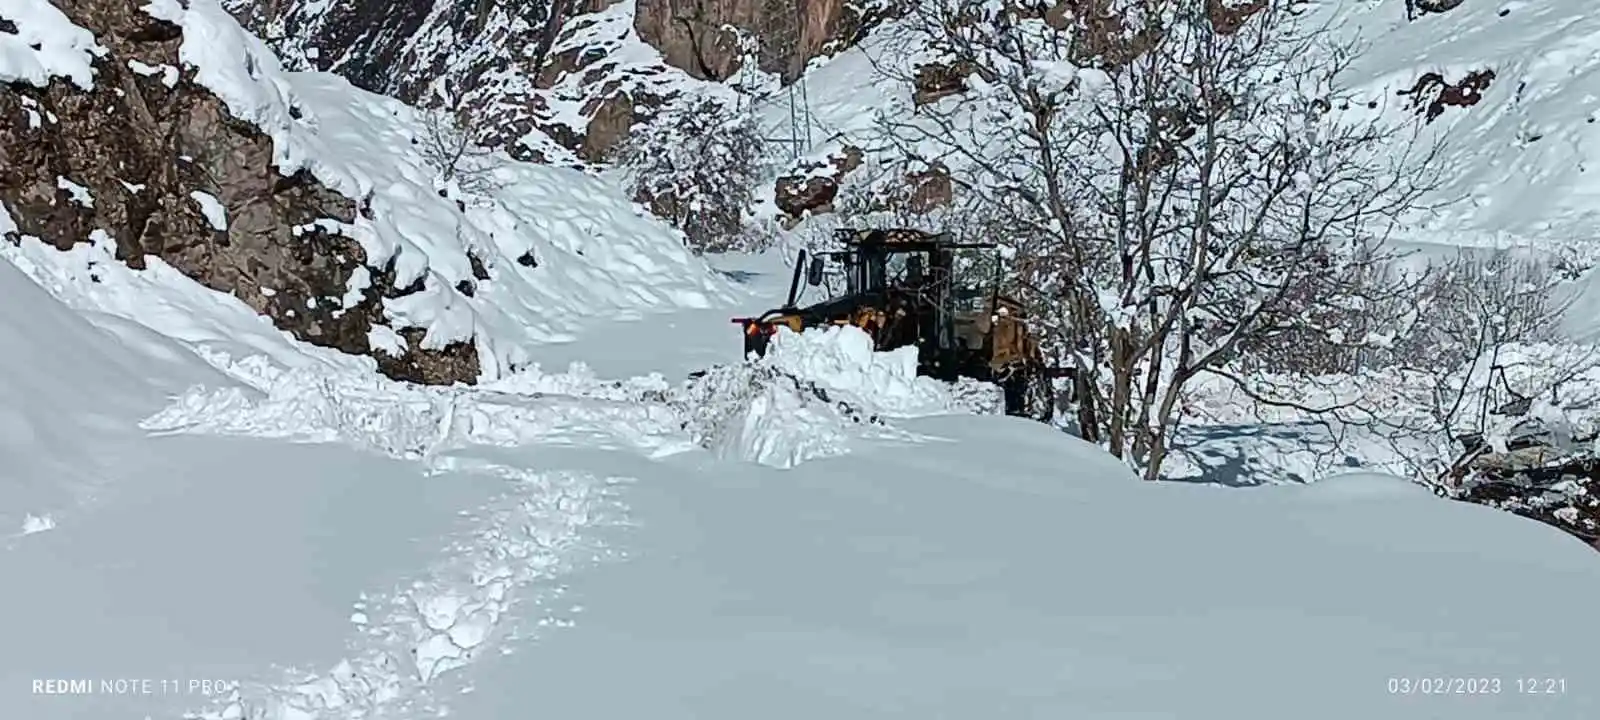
(344, 547)
(1039, 580)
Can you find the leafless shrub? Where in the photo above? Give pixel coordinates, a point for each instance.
(449, 145)
(696, 165)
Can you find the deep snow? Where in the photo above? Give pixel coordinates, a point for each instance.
(227, 560)
(188, 496)
(1009, 573)
(557, 542)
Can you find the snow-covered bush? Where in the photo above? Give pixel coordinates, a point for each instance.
(696, 165)
(449, 144)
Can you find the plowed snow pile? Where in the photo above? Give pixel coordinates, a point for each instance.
(813, 395)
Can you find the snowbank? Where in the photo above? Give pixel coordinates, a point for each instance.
(400, 420)
(754, 413)
(65, 386)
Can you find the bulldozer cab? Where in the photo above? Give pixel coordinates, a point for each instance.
(874, 260)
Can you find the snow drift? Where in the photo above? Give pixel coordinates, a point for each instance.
(66, 385)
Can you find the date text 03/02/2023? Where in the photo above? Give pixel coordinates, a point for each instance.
(1484, 685)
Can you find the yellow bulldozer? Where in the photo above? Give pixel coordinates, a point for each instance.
(901, 288)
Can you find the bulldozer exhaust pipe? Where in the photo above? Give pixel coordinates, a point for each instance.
(794, 283)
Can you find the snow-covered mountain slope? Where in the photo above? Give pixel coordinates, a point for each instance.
(1520, 161)
(584, 71)
(1517, 163)
(392, 257)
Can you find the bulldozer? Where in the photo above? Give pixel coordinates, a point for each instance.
(900, 287)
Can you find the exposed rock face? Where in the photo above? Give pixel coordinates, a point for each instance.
(137, 160)
(492, 61)
(554, 81)
(693, 34)
(1418, 8)
(928, 189)
(812, 188)
(1431, 94)
(1563, 492)
(398, 48)
(611, 117)
(529, 68)
(935, 81)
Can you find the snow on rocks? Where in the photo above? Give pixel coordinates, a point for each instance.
(559, 246)
(45, 45)
(37, 524)
(216, 215)
(531, 253)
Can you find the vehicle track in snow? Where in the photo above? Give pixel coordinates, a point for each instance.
(408, 640)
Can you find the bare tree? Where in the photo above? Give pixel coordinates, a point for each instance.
(1480, 356)
(449, 144)
(696, 165)
(1485, 346)
(1183, 179)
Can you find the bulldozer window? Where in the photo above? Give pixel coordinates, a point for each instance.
(971, 300)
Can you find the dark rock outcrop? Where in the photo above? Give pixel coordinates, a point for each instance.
(136, 160)
(812, 188)
(551, 67)
(487, 59)
(928, 189)
(1543, 471)
(936, 81)
(1563, 492)
(694, 35)
(1431, 93)
(1418, 8)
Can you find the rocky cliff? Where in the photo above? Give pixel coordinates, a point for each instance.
(581, 71)
(148, 161)
(166, 134)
